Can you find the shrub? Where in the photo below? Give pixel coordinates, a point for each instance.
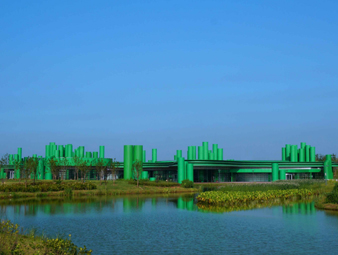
(187, 184)
(47, 186)
(333, 196)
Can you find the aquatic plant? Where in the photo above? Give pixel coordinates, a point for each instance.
(232, 197)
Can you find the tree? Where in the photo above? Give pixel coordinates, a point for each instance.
(63, 164)
(33, 164)
(137, 170)
(101, 169)
(77, 162)
(26, 170)
(113, 165)
(18, 165)
(4, 160)
(54, 167)
(85, 167)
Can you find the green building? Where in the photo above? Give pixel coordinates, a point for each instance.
(202, 164)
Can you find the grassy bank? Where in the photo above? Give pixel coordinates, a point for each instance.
(121, 187)
(13, 240)
(329, 201)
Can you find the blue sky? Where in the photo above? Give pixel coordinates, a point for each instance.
(248, 75)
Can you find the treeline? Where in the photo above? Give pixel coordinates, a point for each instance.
(29, 167)
(320, 157)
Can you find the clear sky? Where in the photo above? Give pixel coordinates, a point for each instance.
(248, 75)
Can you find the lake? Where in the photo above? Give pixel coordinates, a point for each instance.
(175, 225)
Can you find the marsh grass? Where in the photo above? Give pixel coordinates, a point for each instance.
(14, 240)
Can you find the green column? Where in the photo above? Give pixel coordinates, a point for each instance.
(101, 149)
(88, 154)
(138, 153)
(48, 173)
(220, 154)
(144, 157)
(312, 154)
(200, 153)
(205, 150)
(215, 151)
(283, 154)
(294, 153)
(288, 152)
(47, 151)
(190, 153)
(190, 172)
(211, 156)
(145, 175)
(328, 168)
(282, 174)
(301, 155)
(180, 169)
(95, 154)
(275, 171)
(307, 153)
(154, 155)
(179, 153)
(193, 152)
(128, 161)
(20, 153)
(232, 177)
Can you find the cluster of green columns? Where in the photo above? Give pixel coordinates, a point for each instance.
(305, 153)
(131, 154)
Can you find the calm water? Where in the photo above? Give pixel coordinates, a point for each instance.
(175, 225)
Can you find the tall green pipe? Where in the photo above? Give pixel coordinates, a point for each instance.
(307, 153)
(294, 153)
(175, 157)
(193, 152)
(302, 155)
(144, 157)
(288, 152)
(275, 172)
(282, 174)
(220, 154)
(179, 153)
(205, 150)
(283, 154)
(145, 175)
(302, 145)
(190, 172)
(95, 154)
(200, 153)
(128, 161)
(312, 154)
(82, 151)
(20, 153)
(215, 151)
(57, 153)
(101, 151)
(154, 155)
(138, 154)
(190, 153)
(211, 156)
(47, 151)
(180, 170)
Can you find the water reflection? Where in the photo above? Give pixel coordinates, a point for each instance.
(300, 208)
(36, 207)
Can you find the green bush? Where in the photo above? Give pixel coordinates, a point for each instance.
(47, 186)
(333, 196)
(187, 184)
